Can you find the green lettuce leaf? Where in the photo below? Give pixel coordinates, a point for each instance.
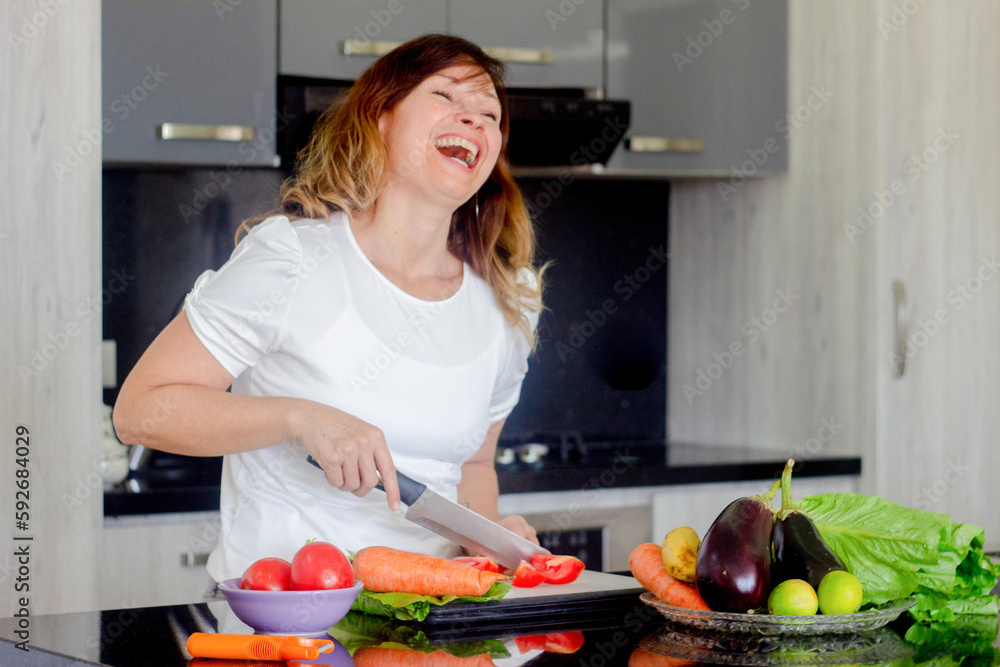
(412, 607)
(883, 544)
(357, 630)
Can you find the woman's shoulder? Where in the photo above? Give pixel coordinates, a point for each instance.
(307, 235)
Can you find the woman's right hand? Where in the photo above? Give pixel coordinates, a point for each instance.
(352, 453)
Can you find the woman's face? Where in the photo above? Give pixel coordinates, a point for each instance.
(443, 139)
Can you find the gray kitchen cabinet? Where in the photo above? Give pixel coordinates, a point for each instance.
(551, 44)
(334, 39)
(708, 85)
(189, 82)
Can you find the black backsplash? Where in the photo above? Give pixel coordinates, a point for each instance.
(599, 370)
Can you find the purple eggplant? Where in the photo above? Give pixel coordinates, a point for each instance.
(734, 561)
(798, 550)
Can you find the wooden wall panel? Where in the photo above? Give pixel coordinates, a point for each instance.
(50, 272)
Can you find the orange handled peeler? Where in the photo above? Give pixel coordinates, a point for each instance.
(256, 647)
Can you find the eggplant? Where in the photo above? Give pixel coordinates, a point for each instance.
(734, 561)
(799, 551)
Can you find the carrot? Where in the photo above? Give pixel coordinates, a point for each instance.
(376, 656)
(386, 570)
(646, 564)
(642, 658)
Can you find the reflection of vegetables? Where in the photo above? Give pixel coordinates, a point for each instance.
(646, 564)
(553, 642)
(799, 551)
(734, 560)
(385, 570)
(357, 631)
(642, 658)
(375, 656)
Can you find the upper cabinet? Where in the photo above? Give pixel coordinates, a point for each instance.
(553, 44)
(708, 85)
(189, 82)
(331, 39)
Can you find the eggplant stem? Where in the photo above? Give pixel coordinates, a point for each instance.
(769, 496)
(787, 506)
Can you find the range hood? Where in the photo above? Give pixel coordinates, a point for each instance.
(550, 130)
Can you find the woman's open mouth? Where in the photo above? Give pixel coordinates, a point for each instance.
(458, 149)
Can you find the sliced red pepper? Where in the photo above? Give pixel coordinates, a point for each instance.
(526, 576)
(555, 642)
(556, 568)
(484, 563)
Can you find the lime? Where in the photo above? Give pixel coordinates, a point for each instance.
(839, 593)
(793, 597)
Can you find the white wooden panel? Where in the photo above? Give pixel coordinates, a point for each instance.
(938, 424)
(50, 269)
(142, 560)
(738, 244)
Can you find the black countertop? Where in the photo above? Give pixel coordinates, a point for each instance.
(604, 465)
(630, 635)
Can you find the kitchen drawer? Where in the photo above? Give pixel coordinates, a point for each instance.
(697, 505)
(156, 559)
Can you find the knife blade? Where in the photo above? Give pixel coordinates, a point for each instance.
(461, 525)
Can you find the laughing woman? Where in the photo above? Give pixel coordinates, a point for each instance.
(382, 319)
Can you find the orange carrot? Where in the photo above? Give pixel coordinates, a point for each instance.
(386, 570)
(646, 564)
(642, 658)
(376, 656)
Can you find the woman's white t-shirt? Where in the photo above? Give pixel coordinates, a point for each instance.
(300, 311)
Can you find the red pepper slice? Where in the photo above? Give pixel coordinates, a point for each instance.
(526, 576)
(554, 642)
(556, 568)
(484, 563)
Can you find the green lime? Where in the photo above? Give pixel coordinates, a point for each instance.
(839, 593)
(793, 597)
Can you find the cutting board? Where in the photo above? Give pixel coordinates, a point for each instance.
(592, 592)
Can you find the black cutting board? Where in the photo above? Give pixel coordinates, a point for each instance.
(592, 593)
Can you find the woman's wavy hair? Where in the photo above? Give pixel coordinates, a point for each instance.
(343, 168)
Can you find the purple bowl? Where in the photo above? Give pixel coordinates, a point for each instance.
(301, 613)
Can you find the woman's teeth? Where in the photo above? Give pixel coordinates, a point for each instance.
(458, 149)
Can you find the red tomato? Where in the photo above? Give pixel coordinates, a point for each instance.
(267, 574)
(320, 566)
(484, 563)
(555, 642)
(557, 569)
(526, 576)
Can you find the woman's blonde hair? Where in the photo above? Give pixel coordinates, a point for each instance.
(343, 168)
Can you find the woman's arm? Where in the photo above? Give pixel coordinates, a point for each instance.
(478, 489)
(175, 400)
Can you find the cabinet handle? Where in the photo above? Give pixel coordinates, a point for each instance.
(170, 131)
(523, 56)
(899, 298)
(511, 54)
(192, 559)
(363, 47)
(664, 145)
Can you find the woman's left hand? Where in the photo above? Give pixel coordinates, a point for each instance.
(516, 523)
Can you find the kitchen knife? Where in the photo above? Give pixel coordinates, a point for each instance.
(460, 524)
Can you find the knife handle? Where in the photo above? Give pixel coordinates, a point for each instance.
(409, 488)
